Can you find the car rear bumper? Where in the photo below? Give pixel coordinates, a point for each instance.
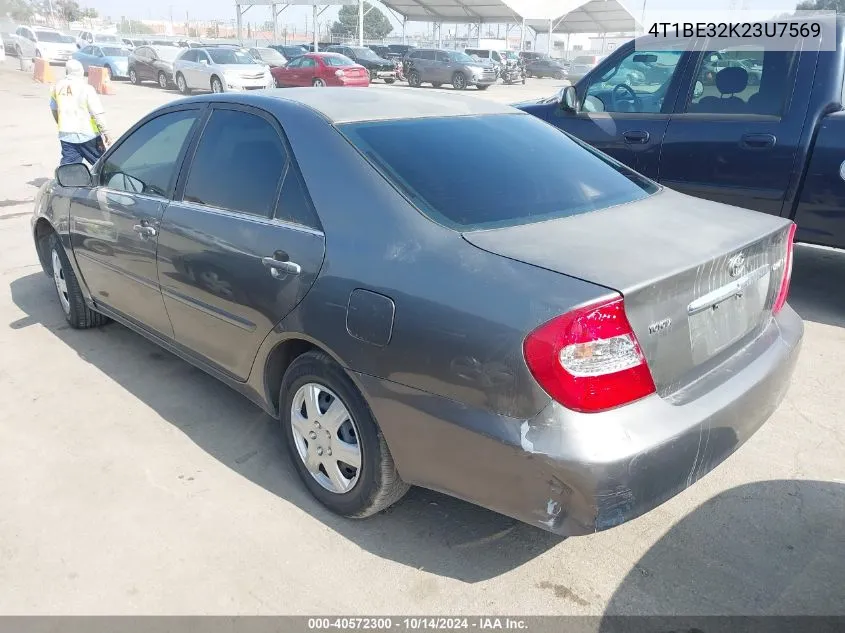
(573, 473)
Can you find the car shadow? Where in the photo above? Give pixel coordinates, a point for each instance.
(765, 548)
(818, 276)
(426, 530)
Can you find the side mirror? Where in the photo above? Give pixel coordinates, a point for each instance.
(73, 175)
(569, 100)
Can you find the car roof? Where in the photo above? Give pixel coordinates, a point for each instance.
(350, 105)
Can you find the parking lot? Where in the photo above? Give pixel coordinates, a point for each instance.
(132, 483)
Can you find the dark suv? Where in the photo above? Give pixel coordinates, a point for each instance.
(378, 67)
(438, 67)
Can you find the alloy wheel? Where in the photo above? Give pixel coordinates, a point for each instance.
(133, 77)
(326, 438)
(61, 282)
(216, 86)
(162, 80)
(318, 83)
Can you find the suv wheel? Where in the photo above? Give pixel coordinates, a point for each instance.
(182, 84)
(414, 79)
(459, 81)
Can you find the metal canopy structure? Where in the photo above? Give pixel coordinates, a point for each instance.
(242, 6)
(595, 16)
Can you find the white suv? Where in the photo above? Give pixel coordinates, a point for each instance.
(38, 41)
(87, 38)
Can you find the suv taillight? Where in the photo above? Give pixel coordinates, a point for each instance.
(780, 301)
(589, 359)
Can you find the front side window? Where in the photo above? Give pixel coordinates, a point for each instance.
(638, 83)
(740, 80)
(237, 164)
(555, 176)
(113, 51)
(88, 50)
(295, 63)
(146, 162)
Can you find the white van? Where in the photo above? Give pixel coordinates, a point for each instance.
(40, 41)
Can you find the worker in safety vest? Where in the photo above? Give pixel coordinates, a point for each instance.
(78, 111)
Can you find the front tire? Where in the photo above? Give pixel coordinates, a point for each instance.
(318, 83)
(162, 81)
(335, 444)
(182, 85)
(484, 87)
(76, 312)
(133, 77)
(216, 85)
(459, 81)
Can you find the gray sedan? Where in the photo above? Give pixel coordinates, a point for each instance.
(567, 346)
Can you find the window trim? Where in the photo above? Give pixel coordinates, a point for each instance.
(291, 162)
(201, 109)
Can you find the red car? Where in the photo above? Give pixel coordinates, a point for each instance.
(319, 70)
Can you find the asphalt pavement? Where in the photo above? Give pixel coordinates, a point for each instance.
(132, 483)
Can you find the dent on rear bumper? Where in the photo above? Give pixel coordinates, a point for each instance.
(573, 473)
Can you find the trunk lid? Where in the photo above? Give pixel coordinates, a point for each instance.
(699, 278)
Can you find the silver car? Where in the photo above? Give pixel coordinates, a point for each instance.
(220, 69)
(438, 67)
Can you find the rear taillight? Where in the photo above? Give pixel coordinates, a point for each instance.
(339, 73)
(589, 359)
(780, 301)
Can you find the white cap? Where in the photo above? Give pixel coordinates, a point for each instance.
(74, 69)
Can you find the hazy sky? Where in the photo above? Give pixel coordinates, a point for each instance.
(296, 15)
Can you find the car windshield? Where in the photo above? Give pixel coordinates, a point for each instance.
(337, 60)
(553, 175)
(168, 53)
(269, 54)
(364, 53)
(115, 51)
(52, 36)
(457, 56)
(230, 56)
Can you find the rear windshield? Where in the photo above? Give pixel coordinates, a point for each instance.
(52, 36)
(534, 171)
(230, 56)
(337, 60)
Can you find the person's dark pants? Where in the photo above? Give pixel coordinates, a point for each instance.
(80, 152)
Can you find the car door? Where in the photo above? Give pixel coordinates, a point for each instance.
(84, 56)
(627, 121)
(243, 245)
(201, 71)
(738, 143)
(442, 68)
(114, 225)
(26, 41)
(142, 58)
(306, 72)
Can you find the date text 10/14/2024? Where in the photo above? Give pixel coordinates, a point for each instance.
(417, 623)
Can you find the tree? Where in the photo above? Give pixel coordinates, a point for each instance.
(376, 24)
(68, 10)
(822, 5)
(18, 10)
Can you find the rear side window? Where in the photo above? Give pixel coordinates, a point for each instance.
(554, 176)
(237, 165)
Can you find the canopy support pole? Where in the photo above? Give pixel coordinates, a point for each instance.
(360, 22)
(549, 46)
(316, 33)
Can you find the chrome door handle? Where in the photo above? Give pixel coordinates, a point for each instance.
(278, 268)
(144, 230)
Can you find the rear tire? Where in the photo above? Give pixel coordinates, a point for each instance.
(318, 83)
(216, 85)
(374, 484)
(133, 77)
(437, 85)
(459, 81)
(414, 79)
(182, 85)
(76, 312)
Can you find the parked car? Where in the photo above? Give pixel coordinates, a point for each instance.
(86, 38)
(37, 41)
(320, 70)
(583, 64)
(2, 49)
(774, 146)
(547, 67)
(494, 56)
(8, 43)
(153, 63)
(438, 67)
(527, 56)
(399, 51)
(289, 52)
(195, 44)
(544, 345)
(133, 42)
(219, 70)
(382, 50)
(378, 67)
(115, 59)
(269, 56)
